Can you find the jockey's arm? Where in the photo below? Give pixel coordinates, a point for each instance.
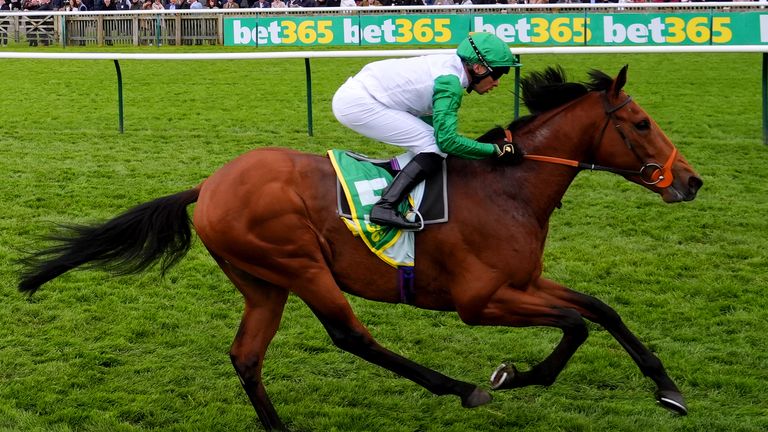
(446, 100)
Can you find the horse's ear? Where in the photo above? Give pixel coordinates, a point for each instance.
(620, 80)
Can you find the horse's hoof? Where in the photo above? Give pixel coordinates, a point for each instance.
(672, 401)
(476, 398)
(502, 376)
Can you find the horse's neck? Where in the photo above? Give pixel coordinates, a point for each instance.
(536, 188)
(568, 133)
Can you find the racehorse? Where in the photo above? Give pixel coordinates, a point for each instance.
(268, 219)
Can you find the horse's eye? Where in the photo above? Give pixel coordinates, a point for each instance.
(643, 125)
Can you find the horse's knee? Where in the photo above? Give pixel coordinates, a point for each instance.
(601, 313)
(573, 325)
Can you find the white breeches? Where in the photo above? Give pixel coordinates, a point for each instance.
(356, 109)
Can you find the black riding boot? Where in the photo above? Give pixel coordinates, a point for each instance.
(385, 211)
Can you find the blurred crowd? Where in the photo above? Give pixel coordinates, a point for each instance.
(90, 5)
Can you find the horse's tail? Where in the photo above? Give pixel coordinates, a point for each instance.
(129, 243)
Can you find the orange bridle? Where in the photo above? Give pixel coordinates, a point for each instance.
(650, 173)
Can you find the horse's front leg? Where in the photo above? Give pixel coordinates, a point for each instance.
(526, 308)
(667, 393)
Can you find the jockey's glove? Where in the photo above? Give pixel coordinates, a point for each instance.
(509, 153)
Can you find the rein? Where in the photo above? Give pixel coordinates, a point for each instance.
(650, 173)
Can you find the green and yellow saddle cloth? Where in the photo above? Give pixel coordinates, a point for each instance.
(360, 183)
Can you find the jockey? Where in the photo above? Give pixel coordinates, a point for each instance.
(392, 101)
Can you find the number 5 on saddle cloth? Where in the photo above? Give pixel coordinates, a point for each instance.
(359, 182)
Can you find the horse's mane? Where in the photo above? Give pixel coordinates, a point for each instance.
(549, 89)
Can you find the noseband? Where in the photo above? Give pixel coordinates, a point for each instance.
(650, 173)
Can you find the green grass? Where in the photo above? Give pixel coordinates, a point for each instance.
(91, 352)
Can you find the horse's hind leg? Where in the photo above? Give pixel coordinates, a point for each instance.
(264, 304)
(348, 333)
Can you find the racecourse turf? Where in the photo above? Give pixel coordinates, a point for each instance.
(93, 352)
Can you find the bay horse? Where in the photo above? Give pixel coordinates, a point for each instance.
(268, 219)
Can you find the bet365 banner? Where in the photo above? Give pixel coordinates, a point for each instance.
(591, 29)
(336, 30)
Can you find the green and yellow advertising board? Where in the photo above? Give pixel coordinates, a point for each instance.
(566, 29)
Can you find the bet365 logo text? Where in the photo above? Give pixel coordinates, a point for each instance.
(366, 30)
(668, 30)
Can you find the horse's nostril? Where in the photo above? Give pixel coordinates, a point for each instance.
(694, 184)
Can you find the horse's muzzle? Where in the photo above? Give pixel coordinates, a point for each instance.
(681, 190)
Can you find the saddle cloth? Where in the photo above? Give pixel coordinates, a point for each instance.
(432, 194)
(359, 182)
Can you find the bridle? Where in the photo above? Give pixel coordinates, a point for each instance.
(650, 173)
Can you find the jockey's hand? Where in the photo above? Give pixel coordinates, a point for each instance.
(509, 153)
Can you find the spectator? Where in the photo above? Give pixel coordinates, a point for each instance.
(136, 4)
(308, 3)
(211, 4)
(184, 4)
(347, 3)
(31, 5)
(157, 5)
(279, 4)
(171, 5)
(231, 4)
(261, 4)
(196, 5)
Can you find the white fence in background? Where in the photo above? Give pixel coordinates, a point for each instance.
(307, 55)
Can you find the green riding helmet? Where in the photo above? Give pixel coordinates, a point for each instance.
(488, 50)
